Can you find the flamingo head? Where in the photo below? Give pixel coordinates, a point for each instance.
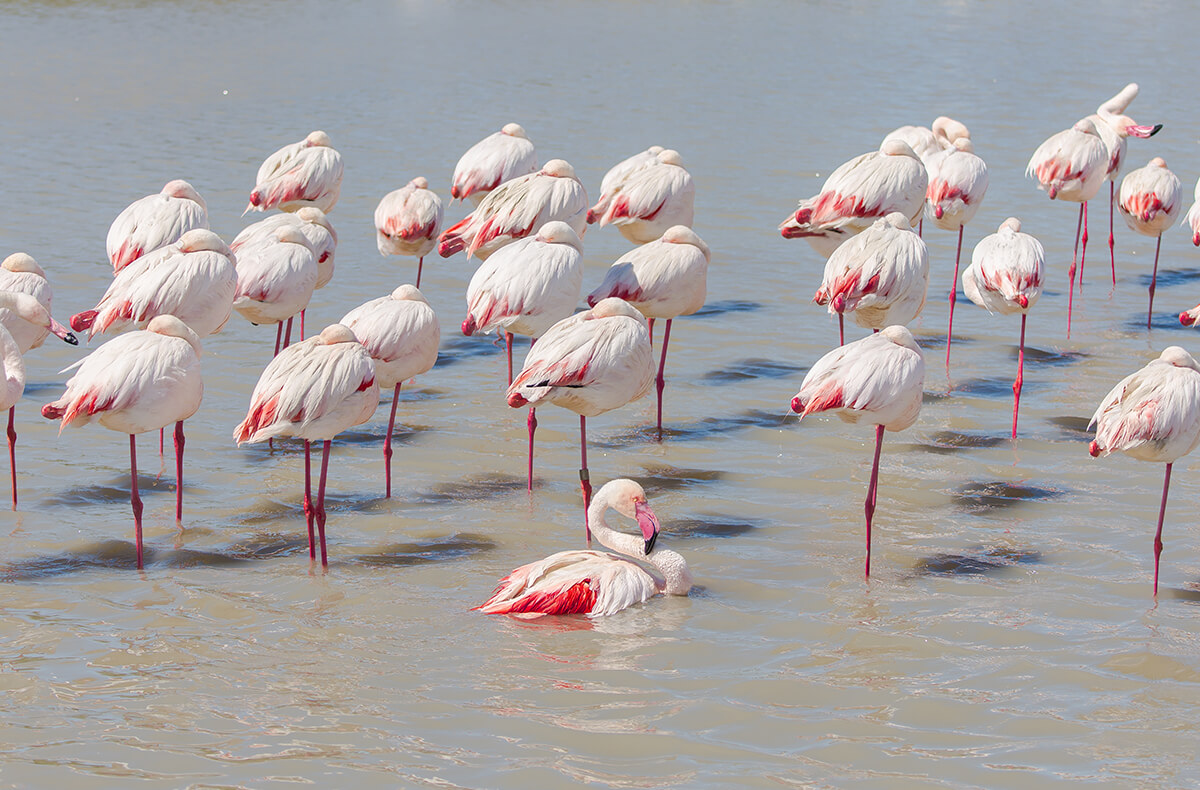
(1196, 238)
(899, 334)
(22, 262)
(964, 144)
(1174, 355)
(1086, 127)
(30, 309)
(314, 216)
(629, 499)
(558, 168)
(839, 303)
(170, 326)
(1094, 450)
(409, 293)
(514, 130)
(1023, 300)
(1131, 129)
(291, 234)
(334, 334)
(184, 191)
(318, 139)
(896, 147)
(613, 307)
(559, 232)
(670, 156)
(655, 150)
(1012, 223)
(682, 234)
(202, 240)
(938, 211)
(797, 405)
(420, 182)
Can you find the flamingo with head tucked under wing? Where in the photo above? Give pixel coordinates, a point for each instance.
(653, 199)
(499, 157)
(307, 173)
(1150, 199)
(408, 221)
(155, 221)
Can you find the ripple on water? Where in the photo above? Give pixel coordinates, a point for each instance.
(726, 306)
(661, 477)
(982, 496)
(993, 387)
(1043, 356)
(981, 560)
(753, 368)
(444, 549)
(928, 342)
(701, 429)
(1072, 427)
(1166, 279)
(472, 488)
(944, 442)
(367, 434)
(710, 525)
(115, 490)
(459, 348)
(113, 554)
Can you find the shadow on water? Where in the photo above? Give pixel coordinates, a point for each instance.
(929, 342)
(1072, 427)
(980, 497)
(117, 489)
(471, 488)
(36, 387)
(1136, 324)
(112, 554)
(1000, 387)
(1041, 356)
(753, 368)
(983, 560)
(933, 396)
(709, 525)
(726, 306)
(660, 477)
(1166, 279)
(459, 348)
(363, 434)
(451, 547)
(1188, 594)
(944, 442)
(703, 429)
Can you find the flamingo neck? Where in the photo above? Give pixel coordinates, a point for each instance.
(673, 577)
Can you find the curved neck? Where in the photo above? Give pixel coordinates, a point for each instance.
(675, 579)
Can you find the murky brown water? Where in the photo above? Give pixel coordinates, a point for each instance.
(1007, 638)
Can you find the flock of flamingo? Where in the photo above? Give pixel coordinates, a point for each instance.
(176, 282)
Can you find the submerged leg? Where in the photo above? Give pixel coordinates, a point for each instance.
(872, 490)
(1071, 270)
(179, 442)
(661, 382)
(308, 507)
(1153, 281)
(12, 450)
(953, 296)
(585, 483)
(1020, 379)
(387, 443)
(1162, 511)
(320, 509)
(134, 499)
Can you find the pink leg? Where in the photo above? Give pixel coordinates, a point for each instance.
(1112, 255)
(661, 382)
(420, 265)
(320, 509)
(921, 228)
(308, 507)
(287, 334)
(1153, 281)
(160, 446)
(1071, 270)
(135, 500)
(841, 329)
(872, 490)
(278, 337)
(179, 442)
(585, 482)
(1020, 379)
(387, 442)
(1162, 511)
(651, 332)
(508, 338)
(953, 297)
(1083, 254)
(301, 324)
(531, 423)
(12, 451)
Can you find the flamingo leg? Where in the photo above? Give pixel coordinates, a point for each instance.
(1071, 270)
(320, 509)
(1112, 255)
(531, 423)
(301, 324)
(160, 447)
(651, 332)
(585, 482)
(308, 508)
(12, 451)
(420, 265)
(921, 228)
(135, 500)
(1153, 281)
(1020, 377)
(1162, 511)
(661, 382)
(953, 297)
(508, 338)
(287, 335)
(179, 442)
(841, 329)
(1083, 253)
(278, 337)
(872, 490)
(387, 443)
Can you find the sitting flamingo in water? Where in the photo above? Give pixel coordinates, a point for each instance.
(597, 583)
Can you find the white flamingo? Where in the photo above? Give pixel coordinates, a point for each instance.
(408, 221)
(499, 157)
(307, 173)
(653, 199)
(155, 221)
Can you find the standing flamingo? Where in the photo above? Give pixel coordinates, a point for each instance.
(20, 273)
(666, 278)
(597, 583)
(307, 173)
(877, 380)
(1193, 217)
(1005, 276)
(275, 279)
(590, 363)
(401, 334)
(1071, 165)
(653, 199)
(141, 381)
(313, 390)
(22, 317)
(408, 221)
(1151, 198)
(958, 180)
(155, 221)
(499, 157)
(517, 208)
(194, 279)
(526, 288)
(881, 276)
(929, 140)
(860, 191)
(1153, 415)
(615, 178)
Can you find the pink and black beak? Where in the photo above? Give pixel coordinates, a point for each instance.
(61, 331)
(648, 522)
(1143, 131)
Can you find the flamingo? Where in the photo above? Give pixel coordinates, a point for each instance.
(20, 273)
(307, 173)
(930, 140)
(275, 279)
(1193, 217)
(141, 381)
(22, 318)
(860, 191)
(313, 390)
(401, 334)
(881, 276)
(499, 157)
(592, 362)
(653, 199)
(1151, 198)
(408, 220)
(517, 208)
(597, 583)
(665, 278)
(877, 380)
(526, 288)
(1071, 165)
(615, 178)
(1153, 415)
(958, 180)
(1005, 276)
(194, 279)
(155, 221)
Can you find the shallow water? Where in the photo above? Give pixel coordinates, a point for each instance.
(1007, 636)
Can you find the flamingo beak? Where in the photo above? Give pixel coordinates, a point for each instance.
(648, 522)
(61, 331)
(1143, 131)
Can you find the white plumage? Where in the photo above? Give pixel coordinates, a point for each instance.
(958, 180)
(665, 278)
(1193, 216)
(275, 276)
(399, 331)
(1071, 164)
(499, 157)
(311, 221)
(408, 220)
(1153, 414)
(653, 199)
(616, 176)
(1150, 198)
(1005, 275)
(20, 273)
(155, 221)
(307, 173)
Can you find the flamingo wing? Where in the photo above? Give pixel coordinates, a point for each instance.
(150, 223)
(646, 192)
(492, 161)
(572, 582)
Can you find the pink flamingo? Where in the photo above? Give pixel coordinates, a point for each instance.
(653, 199)
(877, 380)
(1071, 165)
(881, 276)
(1005, 276)
(1193, 217)
(194, 280)
(597, 583)
(615, 179)
(401, 334)
(155, 221)
(665, 279)
(141, 381)
(516, 209)
(1151, 198)
(499, 157)
(1153, 415)
(590, 363)
(408, 221)
(313, 390)
(860, 191)
(275, 278)
(24, 323)
(929, 140)
(958, 180)
(307, 173)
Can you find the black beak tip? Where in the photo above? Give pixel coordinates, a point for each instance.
(650, 543)
(70, 338)
(1157, 128)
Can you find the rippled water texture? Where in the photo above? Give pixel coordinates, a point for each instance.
(1007, 637)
